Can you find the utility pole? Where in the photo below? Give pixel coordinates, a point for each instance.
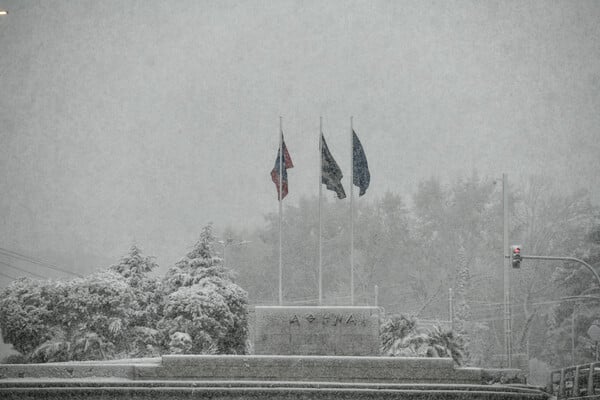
(506, 269)
(451, 308)
(573, 336)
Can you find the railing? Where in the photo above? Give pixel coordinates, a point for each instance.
(575, 381)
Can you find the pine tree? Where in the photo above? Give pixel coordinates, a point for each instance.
(134, 264)
(204, 302)
(139, 332)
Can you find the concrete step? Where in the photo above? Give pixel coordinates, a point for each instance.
(309, 368)
(104, 388)
(249, 377)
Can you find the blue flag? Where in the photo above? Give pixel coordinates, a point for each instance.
(361, 176)
(331, 174)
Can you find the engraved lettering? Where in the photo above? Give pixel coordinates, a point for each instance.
(338, 320)
(350, 320)
(295, 320)
(310, 318)
(325, 318)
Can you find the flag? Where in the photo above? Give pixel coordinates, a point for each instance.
(360, 168)
(331, 174)
(287, 163)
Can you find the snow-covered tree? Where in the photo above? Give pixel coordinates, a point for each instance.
(26, 310)
(136, 270)
(134, 265)
(204, 302)
(201, 312)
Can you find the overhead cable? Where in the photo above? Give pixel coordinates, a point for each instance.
(23, 270)
(37, 261)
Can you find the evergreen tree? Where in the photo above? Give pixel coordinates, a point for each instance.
(136, 270)
(140, 331)
(204, 302)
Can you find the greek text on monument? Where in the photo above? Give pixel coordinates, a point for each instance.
(332, 319)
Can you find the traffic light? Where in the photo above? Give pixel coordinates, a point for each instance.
(515, 256)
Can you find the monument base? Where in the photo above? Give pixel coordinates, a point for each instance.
(264, 377)
(310, 369)
(324, 330)
(340, 332)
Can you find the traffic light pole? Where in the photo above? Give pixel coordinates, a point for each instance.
(506, 265)
(573, 259)
(588, 266)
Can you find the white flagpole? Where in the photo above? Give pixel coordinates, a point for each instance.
(320, 221)
(280, 207)
(351, 212)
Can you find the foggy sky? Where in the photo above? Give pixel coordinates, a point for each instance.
(125, 121)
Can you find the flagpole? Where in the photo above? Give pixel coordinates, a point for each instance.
(351, 212)
(320, 220)
(280, 207)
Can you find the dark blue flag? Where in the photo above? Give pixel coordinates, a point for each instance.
(287, 163)
(331, 174)
(361, 176)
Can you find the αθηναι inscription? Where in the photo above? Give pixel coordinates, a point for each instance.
(317, 331)
(326, 318)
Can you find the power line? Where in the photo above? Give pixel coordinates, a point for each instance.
(37, 261)
(23, 270)
(25, 257)
(484, 306)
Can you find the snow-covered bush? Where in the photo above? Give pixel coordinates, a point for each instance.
(181, 343)
(124, 311)
(88, 320)
(395, 328)
(402, 337)
(100, 316)
(27, 309)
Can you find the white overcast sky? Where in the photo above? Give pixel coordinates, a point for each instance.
(144, 120)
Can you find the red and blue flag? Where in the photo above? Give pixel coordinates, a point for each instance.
(275, 172)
